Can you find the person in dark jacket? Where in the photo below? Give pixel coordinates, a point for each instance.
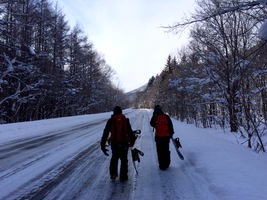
(121, 138)
(164, 131)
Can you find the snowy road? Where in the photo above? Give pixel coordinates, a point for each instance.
(64, 161)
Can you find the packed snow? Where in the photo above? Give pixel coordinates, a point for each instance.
(61, 159)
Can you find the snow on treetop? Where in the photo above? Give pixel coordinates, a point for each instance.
(263, 31)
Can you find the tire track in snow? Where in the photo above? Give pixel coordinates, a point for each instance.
(35, 166)
(83, 172)
(72, 178)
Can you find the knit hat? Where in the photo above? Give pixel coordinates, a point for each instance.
(117, 110)
(158, 110)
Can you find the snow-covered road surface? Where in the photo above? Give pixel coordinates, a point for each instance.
(62, 159)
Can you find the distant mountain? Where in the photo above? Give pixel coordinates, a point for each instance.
(140, 89)
(132, 94)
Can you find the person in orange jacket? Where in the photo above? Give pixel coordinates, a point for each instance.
(121, 138)
(164, 131)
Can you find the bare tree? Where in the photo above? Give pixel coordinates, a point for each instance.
(225, 38)
(48, 70)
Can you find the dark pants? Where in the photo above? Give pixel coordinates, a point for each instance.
(119, 152)
(163, 152)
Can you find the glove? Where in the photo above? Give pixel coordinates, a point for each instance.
(103, 148)
(105, 151)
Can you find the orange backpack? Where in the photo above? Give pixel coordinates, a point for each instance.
(162, 127)
(119, 129)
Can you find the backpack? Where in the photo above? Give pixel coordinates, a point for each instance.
(119, 129)
(162, 125)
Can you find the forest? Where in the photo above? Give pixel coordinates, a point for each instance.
(220, 78)
(47, 69)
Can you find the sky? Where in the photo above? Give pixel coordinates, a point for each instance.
(61, 159)
(129, 34)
